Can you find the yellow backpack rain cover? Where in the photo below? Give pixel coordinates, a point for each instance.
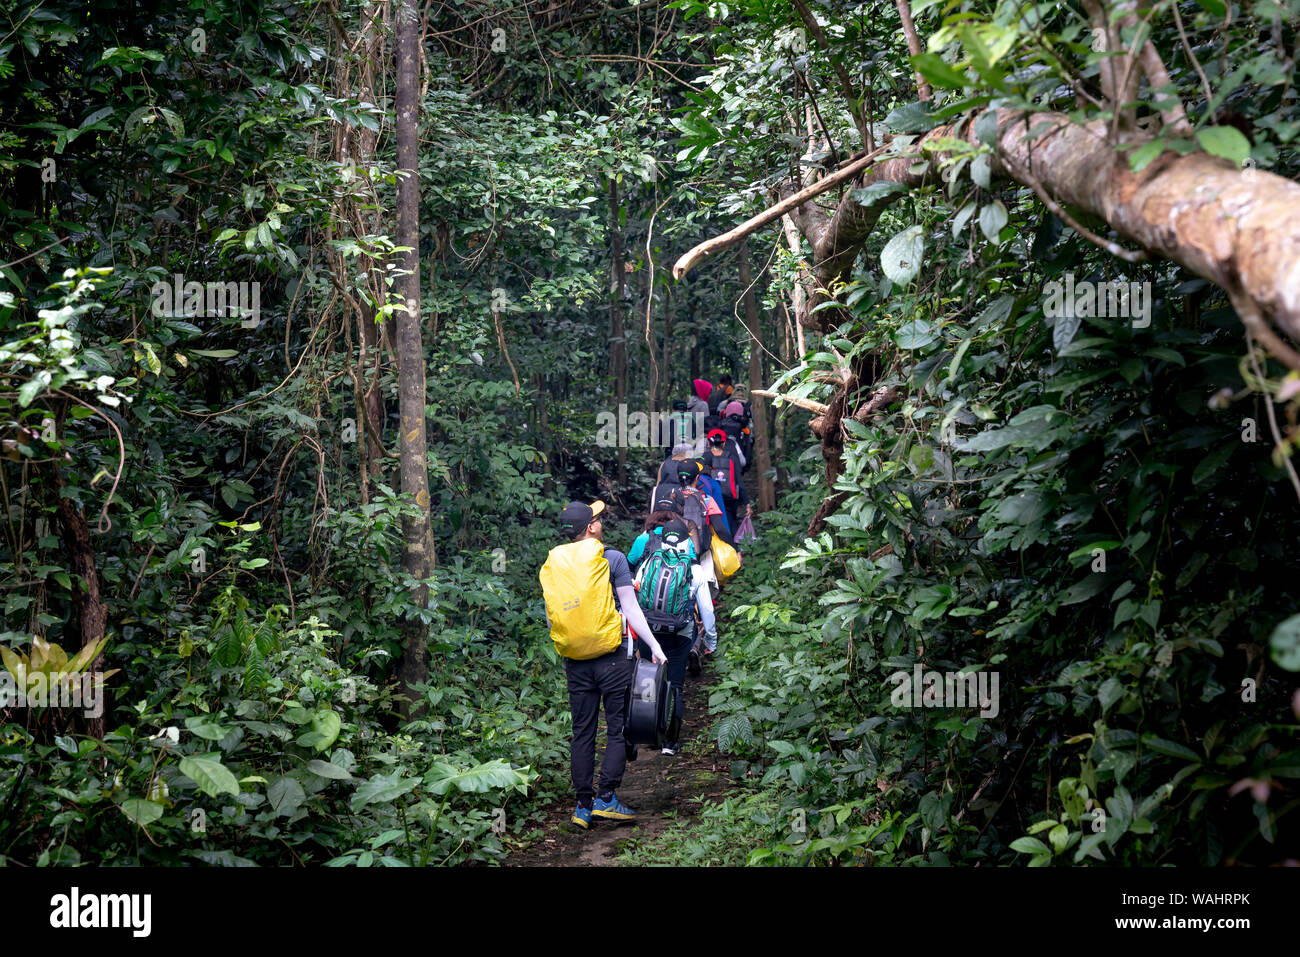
(726, 560)
(579, 600)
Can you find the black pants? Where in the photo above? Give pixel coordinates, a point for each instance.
(606, 677)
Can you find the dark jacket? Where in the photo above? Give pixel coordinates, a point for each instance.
(717, 397)
(725, 469)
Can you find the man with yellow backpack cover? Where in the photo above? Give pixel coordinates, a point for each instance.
(589, 593)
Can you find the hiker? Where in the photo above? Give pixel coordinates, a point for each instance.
(720, 393)
(589, 592)
(699, 402)
(683, 425)
(668, 471)
(703, 512)
(678, 426)
(736, 423)
(723, 462)
(670, 585)
(698, 509)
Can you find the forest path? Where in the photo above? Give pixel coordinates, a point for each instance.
(660, 789)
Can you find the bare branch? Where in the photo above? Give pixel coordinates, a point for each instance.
(772, 213)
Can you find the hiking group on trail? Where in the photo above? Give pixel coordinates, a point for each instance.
(610, 612)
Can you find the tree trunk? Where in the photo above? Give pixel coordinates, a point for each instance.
(617, 326)
(695, 336)
(777, 417)
(92, 613)
(418, 555)
(356, 145)
(544, 431)
(664, 400)
(763, 465)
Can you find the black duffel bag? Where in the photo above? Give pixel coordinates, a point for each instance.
(653, 708)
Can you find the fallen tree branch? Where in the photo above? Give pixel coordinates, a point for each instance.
(1235, 228)
(1115, 249)
(811, 405)
(728, 239)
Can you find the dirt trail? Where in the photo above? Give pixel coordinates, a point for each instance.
(660, 789)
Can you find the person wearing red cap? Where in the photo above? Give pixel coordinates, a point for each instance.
(723, 462)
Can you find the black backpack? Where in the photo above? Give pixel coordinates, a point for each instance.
(722, 468)
(738, 428)
(666, 498)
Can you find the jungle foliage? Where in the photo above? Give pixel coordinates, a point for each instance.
(1097, 511)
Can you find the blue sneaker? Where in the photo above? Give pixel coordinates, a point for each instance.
(612, 810)
(581, 817)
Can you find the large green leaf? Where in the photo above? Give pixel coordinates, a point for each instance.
(933, 68)
(914, 334)
(478, 779)
(206, 726)
(140, 811)
(212, 777)
(325, 727)
(992, 218)
(285, 795)
(327, 770)
(382, 788)
(1225, 141)
(902, 256)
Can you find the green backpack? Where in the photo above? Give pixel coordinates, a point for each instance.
(665, 590)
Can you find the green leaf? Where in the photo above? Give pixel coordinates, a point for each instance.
(1060, 837)
(1141, 157)
(327, 724)
(140, 811)
(476, 780)
(327, 770)
(1225, 141)
(212, 777)
(382, 788)
(28, 392)
(992, 218)
(902, 256)
(1063, 330)
(285, 795)
(1170, 749)
(1213, 462)
(933, 68)
(1030, 845)
(1284, 644)
(1214, 8)
(962, 218)
(911, 118)
(1111, 690)
(207, 727)
(915, 334)
(214, 353)
(874, 192)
